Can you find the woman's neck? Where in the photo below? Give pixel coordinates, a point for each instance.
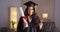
(30, 17)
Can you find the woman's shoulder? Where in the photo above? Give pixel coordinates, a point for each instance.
(20, 19)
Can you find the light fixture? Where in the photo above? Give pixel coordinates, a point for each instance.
(44, 15)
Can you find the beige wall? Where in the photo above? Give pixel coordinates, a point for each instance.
(4, 11)
(43, 6)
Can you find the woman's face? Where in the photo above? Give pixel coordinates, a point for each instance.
(30, 10)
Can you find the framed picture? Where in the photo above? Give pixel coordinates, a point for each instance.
(13, 17)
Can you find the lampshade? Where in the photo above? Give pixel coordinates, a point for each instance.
(44, 15)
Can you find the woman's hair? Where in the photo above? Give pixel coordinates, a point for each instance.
(26, 11)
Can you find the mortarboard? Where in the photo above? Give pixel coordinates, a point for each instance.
(30, 3)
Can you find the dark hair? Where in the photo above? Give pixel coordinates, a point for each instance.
(35, 17)
(26, 11)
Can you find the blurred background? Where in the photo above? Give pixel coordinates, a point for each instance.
(49, 7)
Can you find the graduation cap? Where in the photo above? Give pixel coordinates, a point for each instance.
(30, 3)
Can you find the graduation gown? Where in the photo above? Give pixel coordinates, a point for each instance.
(32, 26)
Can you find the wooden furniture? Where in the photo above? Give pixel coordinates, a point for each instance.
(48, 26)
(3, 29)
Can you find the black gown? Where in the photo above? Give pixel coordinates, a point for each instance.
(32, 26)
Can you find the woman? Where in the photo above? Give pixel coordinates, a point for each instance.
(33, 20)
